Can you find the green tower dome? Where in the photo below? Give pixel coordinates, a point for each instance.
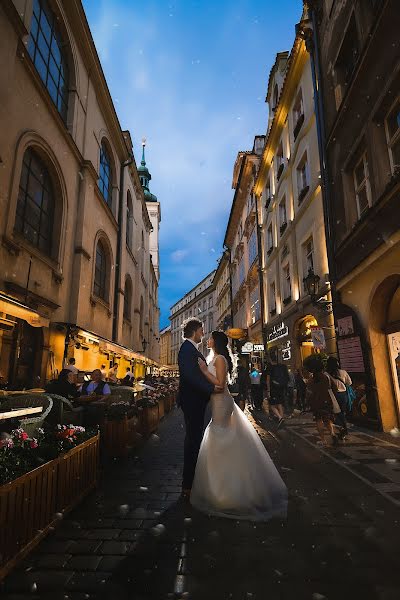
(145, 177)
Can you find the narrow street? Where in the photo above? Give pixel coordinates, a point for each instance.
(134, 538)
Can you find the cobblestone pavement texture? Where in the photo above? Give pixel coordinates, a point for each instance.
(134, 538)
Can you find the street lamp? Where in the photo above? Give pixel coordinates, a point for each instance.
(311, 283)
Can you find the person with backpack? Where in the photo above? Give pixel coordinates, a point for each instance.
(342, 381)
(322, 401)
(277, 382)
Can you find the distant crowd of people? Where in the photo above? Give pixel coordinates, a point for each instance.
(324, 390)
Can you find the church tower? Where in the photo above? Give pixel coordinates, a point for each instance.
(154, 210)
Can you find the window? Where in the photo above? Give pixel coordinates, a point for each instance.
(298, 114)
(210, 302)
(280, 161)
(100, 272)
(346, 61)
(287, 286)
(308, 258)
(272, 298)
(282, 215)
(255, 310)
(105, 183)
(253, 249)
(268, 195)
(241, 271)
(35, 206)
(270, 239)
(46, 50)
(127, 299)
(393, 136)
(362, 186)
(210, 323)
(129, 219)
(302, 179)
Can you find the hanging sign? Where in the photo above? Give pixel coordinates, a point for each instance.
(318, 338)
(247, 348)
(258, 348)
(278, 331)
(287, 351)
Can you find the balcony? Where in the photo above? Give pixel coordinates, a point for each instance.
(303, 194)
(298, 126)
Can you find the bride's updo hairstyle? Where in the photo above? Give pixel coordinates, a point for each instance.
(221, 347)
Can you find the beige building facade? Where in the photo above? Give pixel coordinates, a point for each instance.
(165, 347)
(76, 277)
(288, 186)
(222, 282)
(199, 303)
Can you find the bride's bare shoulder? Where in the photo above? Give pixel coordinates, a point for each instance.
(220, 359)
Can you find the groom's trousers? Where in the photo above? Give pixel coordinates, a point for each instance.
(194, 423)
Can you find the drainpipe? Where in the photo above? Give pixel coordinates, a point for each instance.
(119, 247)
(260, 277)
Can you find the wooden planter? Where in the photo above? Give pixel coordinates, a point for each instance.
(114, 437)
(148, 420)
(168, 402)
(161, 408)
(28, 505)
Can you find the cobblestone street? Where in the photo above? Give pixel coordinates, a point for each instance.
(135, 539)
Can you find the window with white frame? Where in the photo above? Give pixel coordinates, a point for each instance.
(282, 215)
(253, 251)
(298, 114)
(308, 257)
(272, 298)
(268, 194)
(280, 161)
(255, 309)
(302, 177)
(393, 136)
(362, 186)
(270, 238)
(287, 286)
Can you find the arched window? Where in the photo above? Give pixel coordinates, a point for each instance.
(129, 218)
(100, 272)
(35, 206)
(127, 299)
(105, 175)
(46, 50)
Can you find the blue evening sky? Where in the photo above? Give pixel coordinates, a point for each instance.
(191, 76)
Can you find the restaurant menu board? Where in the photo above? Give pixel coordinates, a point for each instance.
(350, 355)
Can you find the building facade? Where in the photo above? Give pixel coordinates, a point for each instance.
(358, 47)
(288, 187)
(165, 347)
(223, 302)
(75, 229)
(242, 238)
(199, 303)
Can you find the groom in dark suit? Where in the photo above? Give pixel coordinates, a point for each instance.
(194, 393)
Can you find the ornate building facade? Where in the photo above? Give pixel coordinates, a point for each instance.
(76, 276)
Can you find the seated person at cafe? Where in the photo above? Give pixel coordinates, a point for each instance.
(96, 388)
(64, 385)
(129, 378)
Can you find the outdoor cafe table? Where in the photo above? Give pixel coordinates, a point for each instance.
(20, 412)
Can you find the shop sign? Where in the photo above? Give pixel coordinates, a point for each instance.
(258, 348)
(278, 331)
(247, 348)
(351, 355)
(287, 351)
(318, 338)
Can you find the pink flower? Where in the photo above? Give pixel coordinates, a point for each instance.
(33, 443)
(24, 436)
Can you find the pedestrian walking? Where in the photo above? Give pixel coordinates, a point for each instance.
(256, 389)
(243, 380)
(341, 380)
(291, 384)
(277, 380)
(321, 399)
(301, 389)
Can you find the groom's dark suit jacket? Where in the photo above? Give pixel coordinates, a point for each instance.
(194, 389)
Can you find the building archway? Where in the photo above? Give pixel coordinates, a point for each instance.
(384, 331)
(305, 346)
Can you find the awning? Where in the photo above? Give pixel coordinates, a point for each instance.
(11, 306)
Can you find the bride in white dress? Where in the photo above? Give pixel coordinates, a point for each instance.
(235, 476)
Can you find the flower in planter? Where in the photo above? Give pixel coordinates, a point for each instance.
(33, 443)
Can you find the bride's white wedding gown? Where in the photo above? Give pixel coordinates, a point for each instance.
(235, 476)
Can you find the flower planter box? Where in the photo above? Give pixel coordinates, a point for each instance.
(168, 403)
(28, 505)
(115, 437)
(148, 420)
(161, 409)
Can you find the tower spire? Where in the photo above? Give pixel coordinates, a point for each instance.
(143, 157)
